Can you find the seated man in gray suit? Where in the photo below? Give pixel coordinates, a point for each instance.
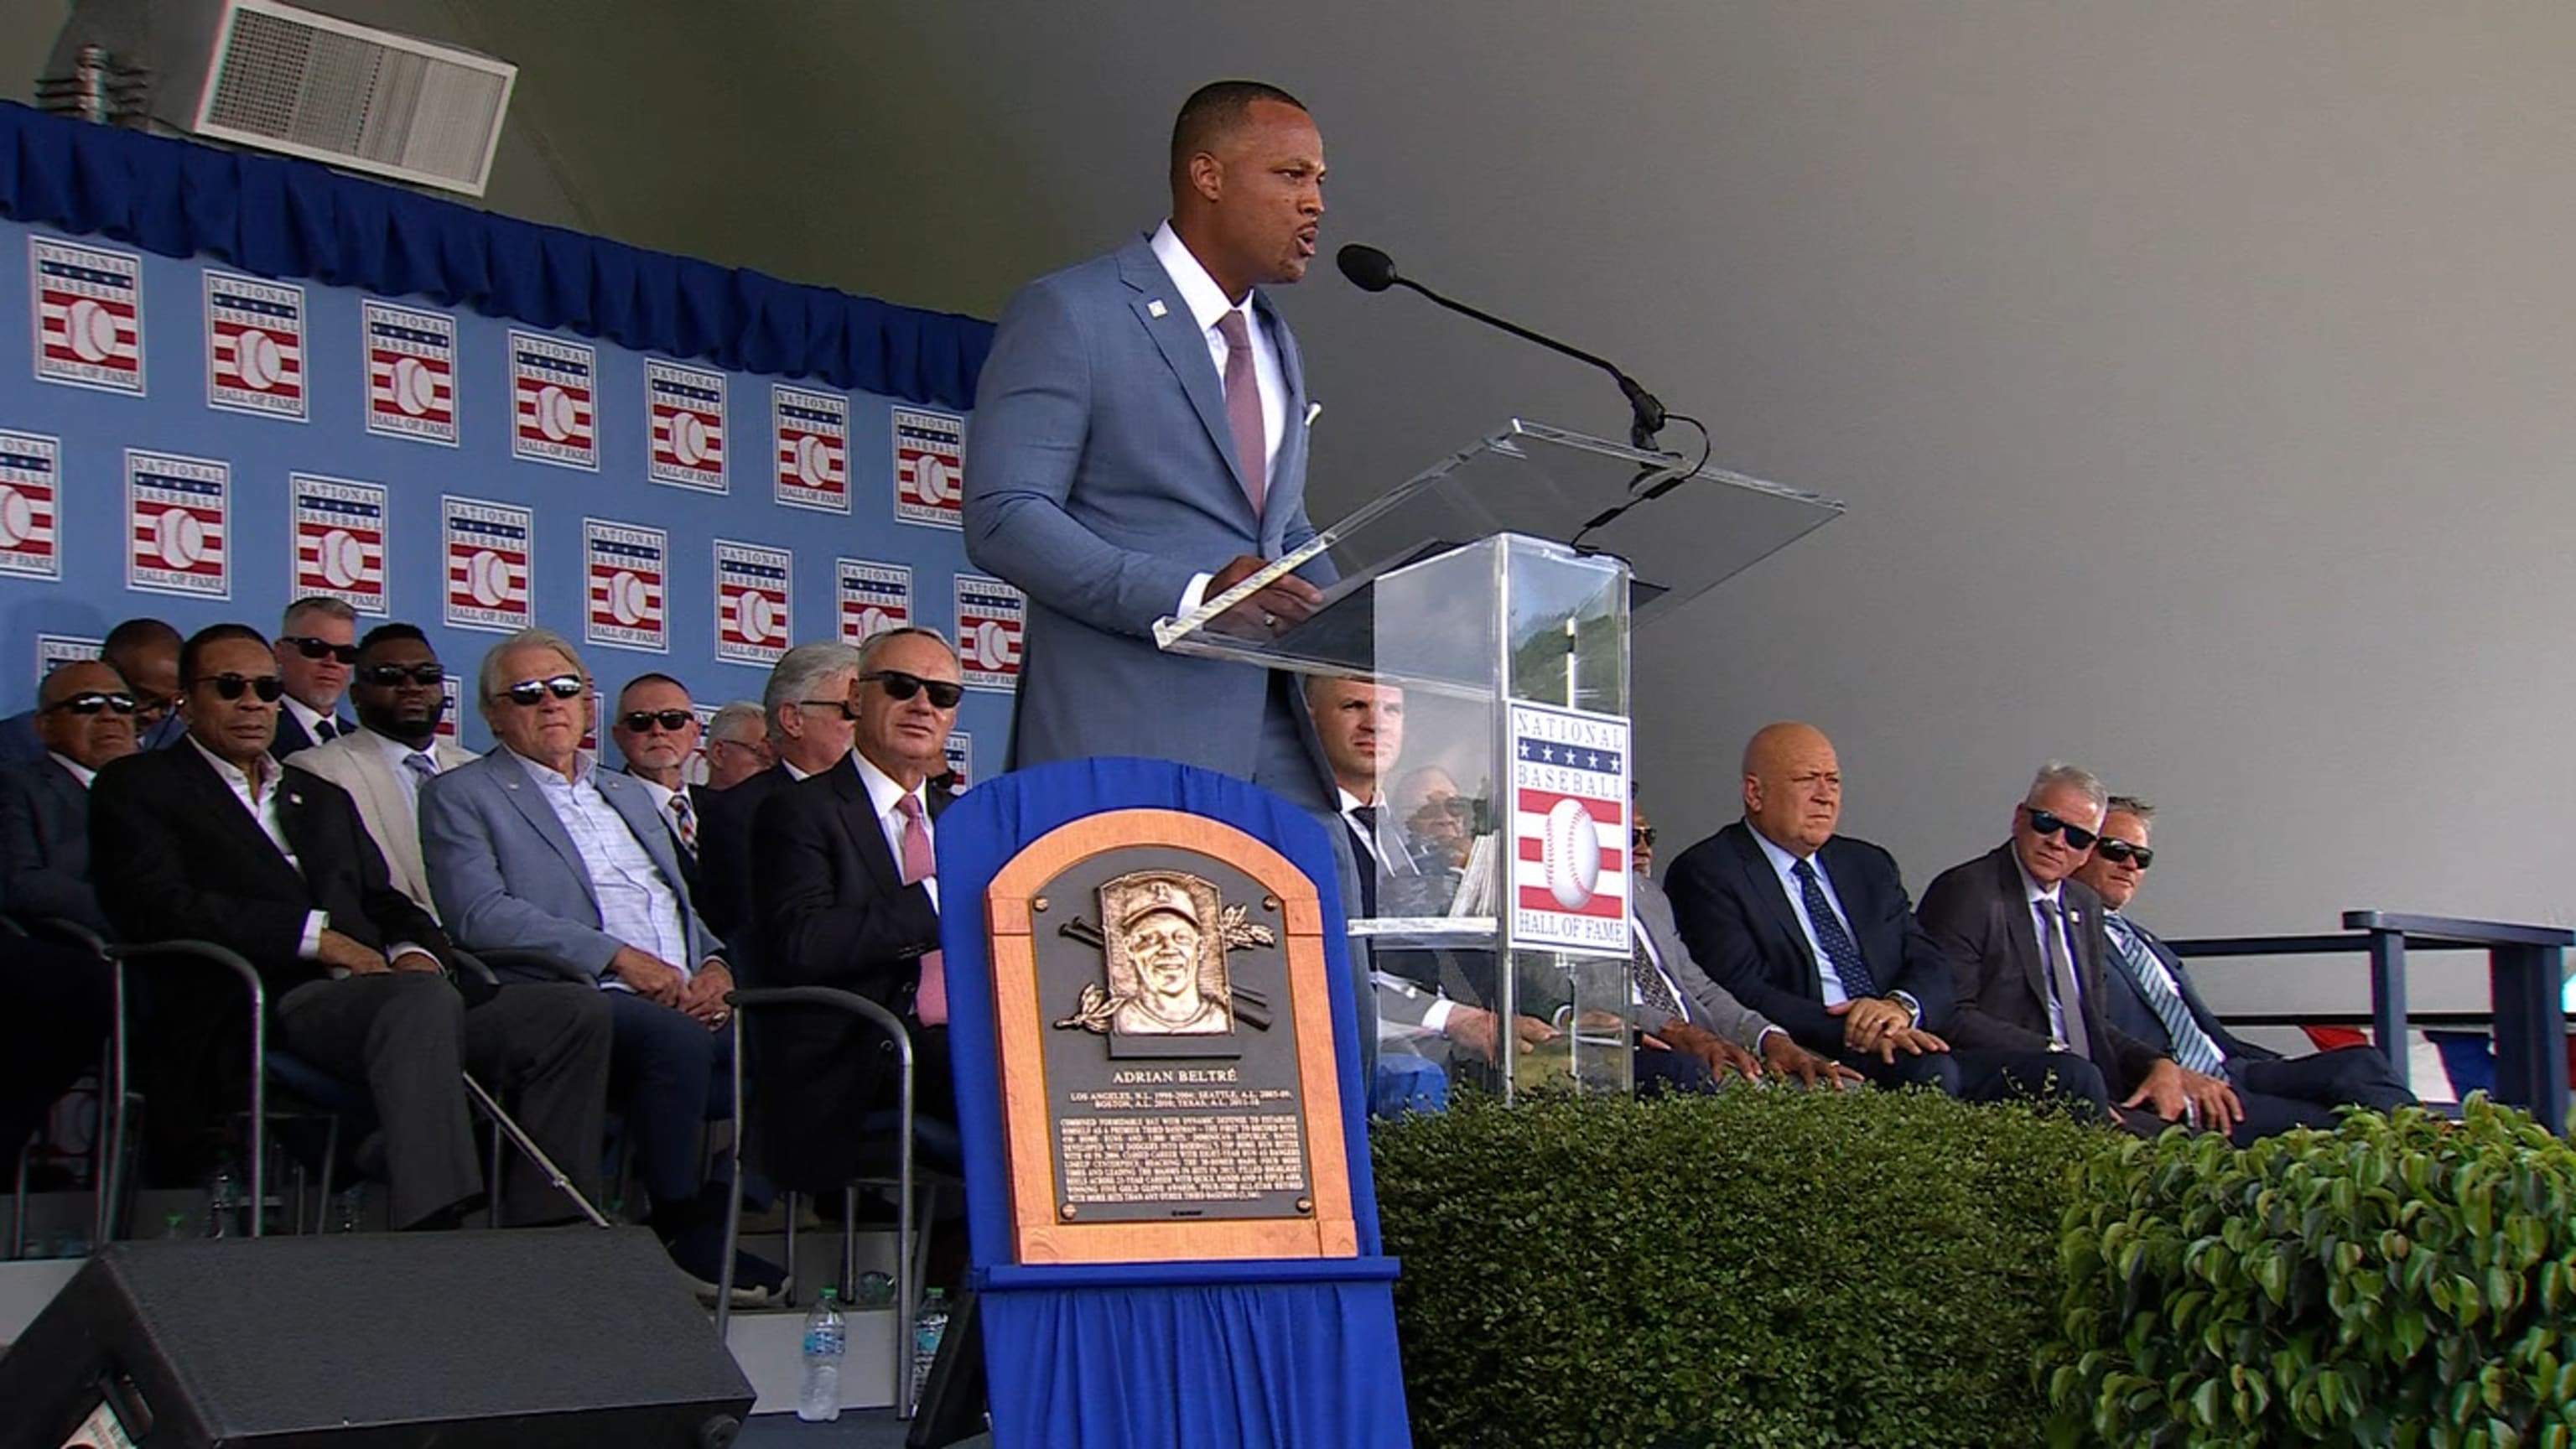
(382, 763)
(84, 718)
(533, 849)
(2149, 995)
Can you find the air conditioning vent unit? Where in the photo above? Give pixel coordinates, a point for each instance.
(275, 77)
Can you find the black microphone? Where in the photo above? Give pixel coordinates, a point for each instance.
(1372, 270)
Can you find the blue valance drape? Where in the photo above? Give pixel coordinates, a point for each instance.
(293, 219)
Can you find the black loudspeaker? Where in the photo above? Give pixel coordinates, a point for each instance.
(562, 1336)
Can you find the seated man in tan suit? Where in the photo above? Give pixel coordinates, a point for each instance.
(396, 688)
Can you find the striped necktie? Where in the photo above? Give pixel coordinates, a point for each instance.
(2192, 1046)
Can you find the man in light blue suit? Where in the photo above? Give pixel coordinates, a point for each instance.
(534, 849)
(1139, 446)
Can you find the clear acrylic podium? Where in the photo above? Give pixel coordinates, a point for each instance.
(1497, 589)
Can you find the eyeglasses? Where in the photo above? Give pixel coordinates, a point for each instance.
(529, 693)
(389, 676)
(91, 702)
(2121, 852)
(2044, 823)
(230, 686)
(672, 721)
(899, 685)
(312, 648)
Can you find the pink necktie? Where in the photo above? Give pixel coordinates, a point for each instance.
(930, 998)
(1243, 408)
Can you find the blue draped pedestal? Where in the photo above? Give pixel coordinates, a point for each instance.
(1275, 1354)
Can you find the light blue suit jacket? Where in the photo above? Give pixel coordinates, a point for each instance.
(507, 876)
(1101, 477)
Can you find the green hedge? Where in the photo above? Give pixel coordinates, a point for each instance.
(1757, 1268)
(2397, 1282)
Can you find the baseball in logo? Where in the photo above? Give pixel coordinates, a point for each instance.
(752, 588)
(813, 448)
(625, 568)
(411, 373)
(1569, 830)
(53, 651)
(552, 401)
(178, 525)
(31, 470)
(990, 616)
(254, 346)
(874, 597)
(960, 751)
(489, 547)
(929, 468)
(685, 412)
(88, 308)
(340, 541)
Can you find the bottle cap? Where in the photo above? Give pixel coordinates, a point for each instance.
(828, 1294)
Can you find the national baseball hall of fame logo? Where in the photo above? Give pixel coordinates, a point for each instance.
(411, 373)
(340, 541)
(31, 470)
(813, 448)
(553, 401)
(874, 597)
(752, 588)
(255, 346)
(87, 304)
(929, 468)
(685, 426)
(488, 547)
(624, 564)
(990, 617)
(1569, 830)
(178, 514)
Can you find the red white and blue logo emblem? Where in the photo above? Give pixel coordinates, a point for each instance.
(489, 547)
(31, 471)
(813, 448)
(88, 306)
(753, 585)
(625, 566)
(553, 401)
(255, 346)
(1569, 830)
(340, 541)
(929, 468)
(411, 373)
(685, 412)
(875, 597)
(990, 616)
(178, 525)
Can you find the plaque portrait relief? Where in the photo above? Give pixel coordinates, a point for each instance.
(1165, 1031)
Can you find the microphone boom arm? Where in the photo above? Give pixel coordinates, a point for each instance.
(1647, 411)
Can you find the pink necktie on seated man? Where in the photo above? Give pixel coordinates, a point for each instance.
(930, 998)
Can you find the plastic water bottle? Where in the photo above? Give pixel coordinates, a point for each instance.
(349, 1209)
(826, 1340)
(927, 1326)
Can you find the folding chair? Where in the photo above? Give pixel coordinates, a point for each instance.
(911, 1232)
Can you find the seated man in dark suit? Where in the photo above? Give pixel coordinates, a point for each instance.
(2024, 936)
(145, 655)
(845, 886)
(210, 843)
(84, 718)
(2151, 997)
(534, 849)
(807, 704)
(317, 646)
(737, 745)
(1813, 929)
(55, 1005)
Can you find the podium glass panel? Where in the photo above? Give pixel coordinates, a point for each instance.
(1496, 905)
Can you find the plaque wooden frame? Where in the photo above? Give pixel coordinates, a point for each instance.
(1011, 911)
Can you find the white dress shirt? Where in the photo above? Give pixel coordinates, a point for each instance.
(886, 798)
(307, 716)
(1208, 305)
(2032, 893)
(636, 904)
(82, 774)
(259, 797)
(1785, 866)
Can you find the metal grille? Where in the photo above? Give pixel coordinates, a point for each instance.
(355, 98)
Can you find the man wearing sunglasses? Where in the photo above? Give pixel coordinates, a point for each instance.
(2150, 995)
(655, 727)
(536, 852)
(85, 718)
(397, 691)
(2025, 935)
(316, 648)
(846, 890)
(807, 706)
(211, 840)
(145, 655)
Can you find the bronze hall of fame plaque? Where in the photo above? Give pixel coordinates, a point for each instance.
(1166, 1044)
